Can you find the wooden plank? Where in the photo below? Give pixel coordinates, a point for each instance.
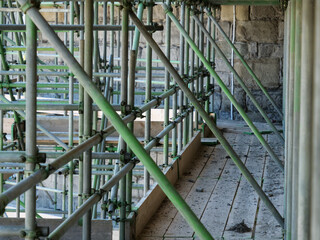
(273, 185)
(149, 204)
(166, 213)
(246, 200)
(217, 210)
(199, 195)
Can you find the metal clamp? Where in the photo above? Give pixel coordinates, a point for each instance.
(29, 4)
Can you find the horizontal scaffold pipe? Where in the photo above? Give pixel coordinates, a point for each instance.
(238, 78)
(74, 217)
(245, 64)
(43, 173)
(63, 74)
(223, 87)
(21, 27)
(209, 121)
(49, 107)
(39, 126)
(116, 121)
(96, 197)
(20, 157)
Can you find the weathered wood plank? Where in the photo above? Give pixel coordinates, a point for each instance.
(166, 213)
(199, 195)
(219, 204)
(149, 204)
(273, 185)
(246, 200)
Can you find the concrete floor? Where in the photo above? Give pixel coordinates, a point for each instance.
(219, 194)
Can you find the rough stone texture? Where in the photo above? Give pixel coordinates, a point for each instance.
(226, 26)
(227, 13)
(267, 70)
(265, 13)
(259, 38)
(242, 13)
(257, 31)
(270, 50)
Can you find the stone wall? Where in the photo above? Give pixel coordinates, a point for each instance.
(259, 38)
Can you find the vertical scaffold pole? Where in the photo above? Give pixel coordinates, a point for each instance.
(87, 157)
(148, 96)
(31, 130)
(166, 87)
(306, 113)
(124, 94)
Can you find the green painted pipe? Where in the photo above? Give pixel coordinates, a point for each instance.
(119, 125)
(238, 78)
(209, 121)
(245, 64)
(224, 88)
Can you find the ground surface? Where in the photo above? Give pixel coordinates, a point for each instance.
(219, 194)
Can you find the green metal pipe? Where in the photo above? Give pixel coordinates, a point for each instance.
(147, 130)
(224, 88)
(181, 71)
(192, 73)
(71, 119)
(289, 125)
(119, 124)
(87, 129)
(210, 124)
(238, 78)
(86, 206)
(296, 118)
(186, 138)
(245, 64)
(31, 130)
(81, 100)
(131, 95)
(315, 218)
(306, 113)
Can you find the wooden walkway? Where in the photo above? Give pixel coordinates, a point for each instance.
(221, 197)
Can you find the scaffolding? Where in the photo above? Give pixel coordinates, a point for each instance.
(86, 65)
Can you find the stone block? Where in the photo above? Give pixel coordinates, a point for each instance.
(225, 48)
(243, 49)
(226, 26)
(217, 101)
(257, 31)
(267, 71)
(253, 49)
(225, 77)
(225, 103)
(265, 13)
(243, 73)
(242, 13)
(240, 96)
(270, 51)
(221, 66)
(276, 95)
(227, 13)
